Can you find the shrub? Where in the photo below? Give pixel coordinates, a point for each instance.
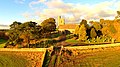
(62, 38)
(69, 36)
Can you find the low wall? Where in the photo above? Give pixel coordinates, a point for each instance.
(93, 46)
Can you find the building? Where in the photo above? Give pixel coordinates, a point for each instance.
(62, 26)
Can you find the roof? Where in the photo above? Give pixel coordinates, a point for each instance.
(68, 26)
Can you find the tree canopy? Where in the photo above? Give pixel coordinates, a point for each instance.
(24, 33)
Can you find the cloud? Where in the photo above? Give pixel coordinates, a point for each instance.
(20, 1)
(35, 3)
(74, 12)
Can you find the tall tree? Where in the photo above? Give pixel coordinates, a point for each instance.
(85, 23)
(49, 25)
(93, 33)
(118, 15)
(77, 29)
(82, 33)
(22, 33)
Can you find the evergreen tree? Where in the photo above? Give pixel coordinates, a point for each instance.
(93, 33)
(82, 33)
(77, 29)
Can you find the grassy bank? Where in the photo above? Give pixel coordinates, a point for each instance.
(2, 43)
(103, 57)
(12, 60)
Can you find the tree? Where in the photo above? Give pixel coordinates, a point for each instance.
(13, 33)
(22, 33)
(118, 15)
(82, 33)
(77, 29)
(93, 33)
(15, 25)
(97, 26)
(85, 23)
(49, 25)
(25, 34)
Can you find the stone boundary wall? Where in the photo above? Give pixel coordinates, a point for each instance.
(27, 49)
(93, 46)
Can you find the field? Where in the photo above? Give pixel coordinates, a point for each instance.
(20, 59)
(102, 57)
(2, 43)
(11, 60)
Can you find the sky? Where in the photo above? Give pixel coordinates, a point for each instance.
(72, 10)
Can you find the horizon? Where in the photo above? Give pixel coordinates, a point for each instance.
(72, 11)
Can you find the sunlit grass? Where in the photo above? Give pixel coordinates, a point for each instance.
(71, 41)
(96, 58)
(12, 60)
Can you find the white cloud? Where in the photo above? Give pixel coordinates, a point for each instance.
(20, 1)
(75, 12)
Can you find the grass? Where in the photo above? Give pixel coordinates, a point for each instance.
(2, 43)
(46, 59)
(11, 60)
(71, 41)
(102, 59)
(109, 57)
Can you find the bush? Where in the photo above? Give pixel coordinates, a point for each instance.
(62, 38)
(70, 36)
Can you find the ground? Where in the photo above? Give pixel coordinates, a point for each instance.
(102, 57)
(11, 60)
(2, 43)
(20, 59)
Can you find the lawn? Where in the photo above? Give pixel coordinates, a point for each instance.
(12, 60)
(20, 59)
(103, 57)
(2, 43)
(71, 41)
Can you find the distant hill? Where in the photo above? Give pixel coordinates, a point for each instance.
(4, 27)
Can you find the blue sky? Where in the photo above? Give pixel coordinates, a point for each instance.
(71, 10)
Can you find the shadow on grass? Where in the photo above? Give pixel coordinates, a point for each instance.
(2, 41)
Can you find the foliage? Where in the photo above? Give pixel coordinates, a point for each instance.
(28, 33)
(69, 36)
(85, 23)
(112, 29)
(46, 59)
(96, 25)
(118, 15)
(49, 25)
(77, 29)
(82, 33)
(62, 37)
(93, 33)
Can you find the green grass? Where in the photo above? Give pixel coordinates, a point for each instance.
(71, 41)
(104, 58)
(2, 43)
(12, 60)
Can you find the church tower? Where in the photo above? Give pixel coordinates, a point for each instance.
(61, 21)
